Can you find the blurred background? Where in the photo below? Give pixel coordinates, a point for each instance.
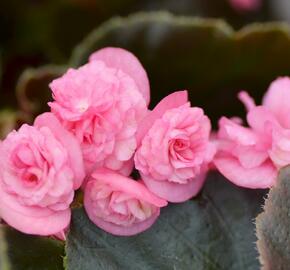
(39, 32)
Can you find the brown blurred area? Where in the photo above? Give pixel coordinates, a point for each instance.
(37, 32)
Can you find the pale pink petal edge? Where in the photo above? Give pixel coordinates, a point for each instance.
(32, 220)
(174, 192)
(263, 176)
(118, 229)
(127, 62)
(127, 185)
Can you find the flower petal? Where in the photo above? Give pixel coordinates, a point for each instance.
(172, 101)
(122, 183)
(118, 229)
(230, 130)
(277, 100)
(249, 157)
(32, 220)
(259, 117)
(174, 192)
(68, 141)
(247, 100)
(127, 62)
(262, 176)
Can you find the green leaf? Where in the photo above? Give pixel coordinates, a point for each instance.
(38, 29)
(33, 91)
(204, 56)
(273, 226)
(213, 231)
(25, 252)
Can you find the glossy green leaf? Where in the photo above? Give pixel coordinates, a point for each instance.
(204, 56)
(25, 252)
(213, 231)
(33, 91)
(273, 226)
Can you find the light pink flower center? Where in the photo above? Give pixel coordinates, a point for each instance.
(82, 106)
(181, 144)
(180, 149)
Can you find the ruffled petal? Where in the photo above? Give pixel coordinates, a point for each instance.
(230, 130)
(172, 101)
(32, 220)
(124, 184)
(260, 117)
(68, 141)
(118, 229)
(124, 60)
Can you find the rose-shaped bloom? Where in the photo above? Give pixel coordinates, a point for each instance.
(174, 150)
(120, 205)
(101, 103)
(40, 166)
(251, 156)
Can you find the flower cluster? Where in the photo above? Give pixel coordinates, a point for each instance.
(100, 129)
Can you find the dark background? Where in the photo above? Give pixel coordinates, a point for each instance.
(39, 32)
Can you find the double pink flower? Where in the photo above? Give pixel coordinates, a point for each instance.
(174, 148)
(41, 166)
(101, 104)
(251, 156)
(120, 205)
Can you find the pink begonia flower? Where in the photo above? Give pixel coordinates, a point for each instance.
(246, 5)
(40, 166)
(101, 103)
(174, 149)
(251, 156)
(120, 205)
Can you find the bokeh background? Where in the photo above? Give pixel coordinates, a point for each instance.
(39, 32)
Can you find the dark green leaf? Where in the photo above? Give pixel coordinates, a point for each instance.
(273, 226)
(204, 56)
(24, 252)
(33, 91)
(213, 231)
